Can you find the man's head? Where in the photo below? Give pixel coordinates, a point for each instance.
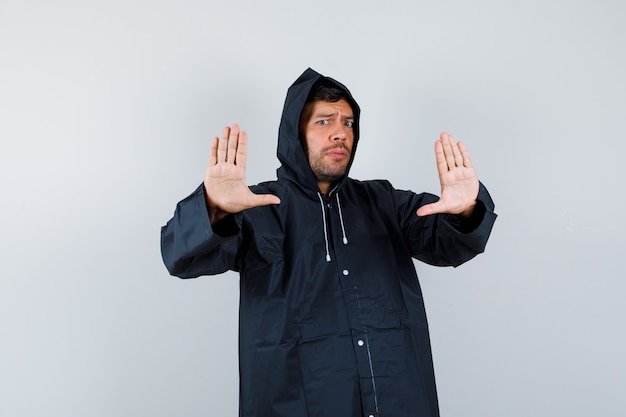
(327, 132)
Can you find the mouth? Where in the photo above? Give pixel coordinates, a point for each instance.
(337, 153)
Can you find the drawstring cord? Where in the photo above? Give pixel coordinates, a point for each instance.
(343, 228)
(325, 231)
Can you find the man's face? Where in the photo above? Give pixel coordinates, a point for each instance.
(328, 135)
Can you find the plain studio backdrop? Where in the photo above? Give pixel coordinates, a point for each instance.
(107, 109)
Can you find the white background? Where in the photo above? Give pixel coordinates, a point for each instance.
(107, 109)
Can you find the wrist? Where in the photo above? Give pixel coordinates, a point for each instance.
(215, 215)
(467, 213)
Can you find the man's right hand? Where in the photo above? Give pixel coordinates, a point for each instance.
(224, 182)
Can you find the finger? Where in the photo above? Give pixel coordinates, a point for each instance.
(442, 164)
(213, 151)
(458, 157)
(223, 143)
(242, 150)
(233, 140)
(467, 161)
(447, 150)
(257, 200)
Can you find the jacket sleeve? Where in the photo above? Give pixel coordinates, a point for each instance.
(191, 247)
(445, 239)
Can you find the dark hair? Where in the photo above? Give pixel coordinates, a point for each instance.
(325, 90)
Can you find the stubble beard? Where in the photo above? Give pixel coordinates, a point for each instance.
(328, 172)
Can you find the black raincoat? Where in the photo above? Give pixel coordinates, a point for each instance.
(332, 321)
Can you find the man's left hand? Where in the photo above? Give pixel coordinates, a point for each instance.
(459, 182)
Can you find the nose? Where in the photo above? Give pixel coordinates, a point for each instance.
(339, 133)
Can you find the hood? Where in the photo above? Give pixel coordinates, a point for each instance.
(294, 162)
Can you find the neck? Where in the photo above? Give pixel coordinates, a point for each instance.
(324, 187)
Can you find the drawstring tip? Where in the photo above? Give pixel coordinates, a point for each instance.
(345, 240)
(327, 258)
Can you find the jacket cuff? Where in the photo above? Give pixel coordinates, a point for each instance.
(226, 227)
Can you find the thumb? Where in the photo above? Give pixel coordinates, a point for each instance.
(257, 200)
(428, 209)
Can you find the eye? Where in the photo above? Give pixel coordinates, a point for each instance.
(349, 124)
(323, 122)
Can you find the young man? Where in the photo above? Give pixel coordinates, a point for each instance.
(332, 321)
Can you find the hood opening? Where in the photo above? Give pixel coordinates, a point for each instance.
(291, 153)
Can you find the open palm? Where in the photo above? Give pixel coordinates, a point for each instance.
(224, 180)
(459, 182)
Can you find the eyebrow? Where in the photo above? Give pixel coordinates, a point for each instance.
(326, 115)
